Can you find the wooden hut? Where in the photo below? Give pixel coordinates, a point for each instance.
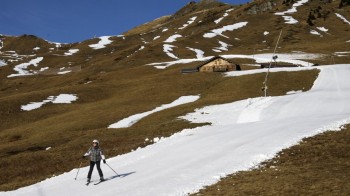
(218, 64)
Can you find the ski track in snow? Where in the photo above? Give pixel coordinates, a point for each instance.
(174, 165)
(131, 120)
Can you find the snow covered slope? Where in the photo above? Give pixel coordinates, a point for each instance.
(251, 131)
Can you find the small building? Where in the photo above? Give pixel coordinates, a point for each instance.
(215, 64)
(218, 64)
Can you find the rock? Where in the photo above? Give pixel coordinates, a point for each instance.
(263, 7)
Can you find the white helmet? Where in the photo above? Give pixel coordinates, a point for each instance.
(96, 141)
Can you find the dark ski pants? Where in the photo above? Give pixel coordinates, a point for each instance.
(92, 165)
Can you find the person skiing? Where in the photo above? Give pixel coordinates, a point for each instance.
(96, 155)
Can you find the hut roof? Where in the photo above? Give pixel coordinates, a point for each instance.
(213, 59)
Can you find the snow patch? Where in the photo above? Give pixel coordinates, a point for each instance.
(64, 98)
(71, 52)
(290, 19)
(189, 22)
(43, 69)
(64, 72)
(313, 32)
(340, 54)
(266, 33)
(219, 31)
(2, 63)
(223, 47)
(156, 37)
(172, 38)
(21, 68)
(199, 53)
(131, 120)
(293, 9)
(220, 19)
(1, 44)
(36, 48)
(322, 29)
(224, 16)
(343, 18)
(104, 41)
(167, 48)
(60, 99)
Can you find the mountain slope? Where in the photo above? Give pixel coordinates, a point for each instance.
(112, 78)
(193, 158)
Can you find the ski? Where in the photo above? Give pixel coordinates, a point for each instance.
(87, 184)
(99, 182)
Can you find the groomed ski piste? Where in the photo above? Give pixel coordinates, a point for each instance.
(242, 134)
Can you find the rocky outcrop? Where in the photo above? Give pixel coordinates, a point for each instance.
(262, 7)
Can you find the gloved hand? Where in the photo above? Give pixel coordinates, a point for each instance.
(104, 161)
(83, 157)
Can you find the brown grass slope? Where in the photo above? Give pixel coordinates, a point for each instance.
(121, 85)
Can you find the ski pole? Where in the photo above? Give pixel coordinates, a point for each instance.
(112, 169)
(78, 171)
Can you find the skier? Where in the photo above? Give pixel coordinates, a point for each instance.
(96, 154)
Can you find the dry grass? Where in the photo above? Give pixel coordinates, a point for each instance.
(317, 166)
